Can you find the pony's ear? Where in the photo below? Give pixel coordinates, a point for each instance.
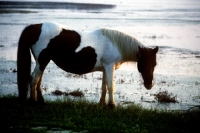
(155, 50)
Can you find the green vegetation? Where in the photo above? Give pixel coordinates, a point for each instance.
(83, 115)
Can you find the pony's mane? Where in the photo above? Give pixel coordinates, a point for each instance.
(126, 44)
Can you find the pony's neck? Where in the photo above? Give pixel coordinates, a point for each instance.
(127, 45)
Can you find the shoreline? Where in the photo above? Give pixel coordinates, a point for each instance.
(54, 5)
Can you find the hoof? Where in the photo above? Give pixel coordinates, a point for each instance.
(111, 106)
(32, 101)
(102, 102)
(40, 101)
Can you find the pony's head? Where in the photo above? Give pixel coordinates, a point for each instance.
(146, 63)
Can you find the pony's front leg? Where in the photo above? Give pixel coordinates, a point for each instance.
(36, 75)
(109, 70)
(104, 90)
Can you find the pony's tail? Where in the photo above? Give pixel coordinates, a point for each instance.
(29, 37)
(23, 65)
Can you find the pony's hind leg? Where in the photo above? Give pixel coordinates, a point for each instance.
(36, 76)
(41, 64)
(40, 98)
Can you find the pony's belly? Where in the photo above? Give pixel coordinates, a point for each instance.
(72, 67)
(79, 63)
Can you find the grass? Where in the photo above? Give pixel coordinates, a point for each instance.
(83, 115)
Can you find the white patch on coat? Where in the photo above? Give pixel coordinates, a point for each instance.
(104, 48)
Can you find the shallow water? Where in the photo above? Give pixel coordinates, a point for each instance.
(162, 23)
(173, 26)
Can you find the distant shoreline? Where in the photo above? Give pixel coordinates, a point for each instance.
(54, 5)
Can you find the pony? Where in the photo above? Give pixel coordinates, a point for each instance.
(79, 52)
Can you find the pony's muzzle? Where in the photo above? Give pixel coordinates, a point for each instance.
(149, 86)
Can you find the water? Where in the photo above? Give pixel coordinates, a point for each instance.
(174, 26)
(162, 23)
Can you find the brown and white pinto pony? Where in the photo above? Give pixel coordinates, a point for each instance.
(79, 52)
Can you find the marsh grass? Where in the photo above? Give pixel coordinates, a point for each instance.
(164, 96)
(90, 116)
